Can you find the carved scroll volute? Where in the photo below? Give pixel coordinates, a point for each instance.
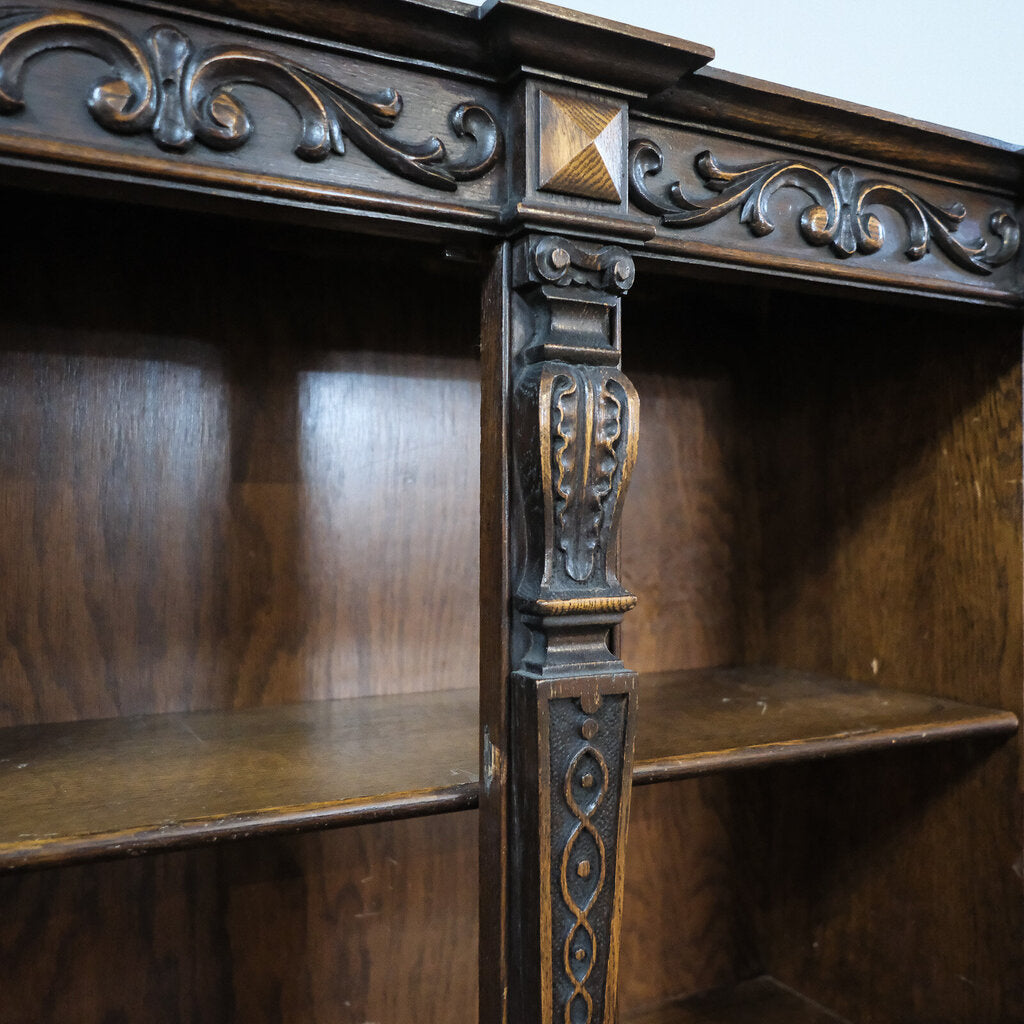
(576, 426)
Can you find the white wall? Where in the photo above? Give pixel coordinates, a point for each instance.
(953, 62)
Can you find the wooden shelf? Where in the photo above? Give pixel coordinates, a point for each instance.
(758, 1001)
(84, 790)
(707, 720)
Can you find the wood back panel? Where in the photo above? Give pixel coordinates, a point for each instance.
(238, 469)
(374, 923)
(891, 498)
(688, 549)
(688, 917)
(831, 486)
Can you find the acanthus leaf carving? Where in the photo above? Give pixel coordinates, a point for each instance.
(124, 102)
(160, 85)
(839, 214)
(576, 464)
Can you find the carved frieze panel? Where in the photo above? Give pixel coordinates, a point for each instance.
(168, 97)
(731, 200)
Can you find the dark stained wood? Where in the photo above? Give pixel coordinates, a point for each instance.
(200, 511)
(111, 787)
(495, 657)
(239, 479)
(202, 110)
(722, 98)
(402, 145)
(74, 791)
(836, 489)
(899, 858)
(573, 437)
(495, 38)
(823, 214)
(893, 554)
(713, 719)
(535, 34)
(368, 151)
(757, 1001)
(689, 536)
(376, 923)
(688, 920)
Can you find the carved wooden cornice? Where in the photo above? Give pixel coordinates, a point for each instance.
(162, 85)
(497, 146)
(839, 216)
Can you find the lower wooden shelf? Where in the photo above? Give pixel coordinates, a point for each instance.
(708, 720)
(758, 1001)
(84, 790)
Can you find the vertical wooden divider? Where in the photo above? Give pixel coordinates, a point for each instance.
(561, 427)
(495, 343)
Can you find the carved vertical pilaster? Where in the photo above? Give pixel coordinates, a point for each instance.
(574, 438)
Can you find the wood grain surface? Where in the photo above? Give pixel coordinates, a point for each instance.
(111, 787)
(714, 719)
(252, 484)
(757, 1001)
(893, 554)
(375, 923)
(115, 786)
(835, 487)
(239, 470)
(688, 920)
(496, 327)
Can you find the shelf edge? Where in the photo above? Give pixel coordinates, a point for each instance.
(1002, 723)
(63, 851)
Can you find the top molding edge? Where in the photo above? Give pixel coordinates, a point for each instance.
(722, 99)
(502, 36)
(496, 40)
(532, 33)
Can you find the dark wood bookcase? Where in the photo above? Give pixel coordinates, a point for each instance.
(502, 522)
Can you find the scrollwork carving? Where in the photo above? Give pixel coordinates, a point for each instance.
(160, 85)
(839, 216)
(562, 262)
(587, 738)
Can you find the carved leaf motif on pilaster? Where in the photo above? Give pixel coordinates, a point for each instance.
(586, 440)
